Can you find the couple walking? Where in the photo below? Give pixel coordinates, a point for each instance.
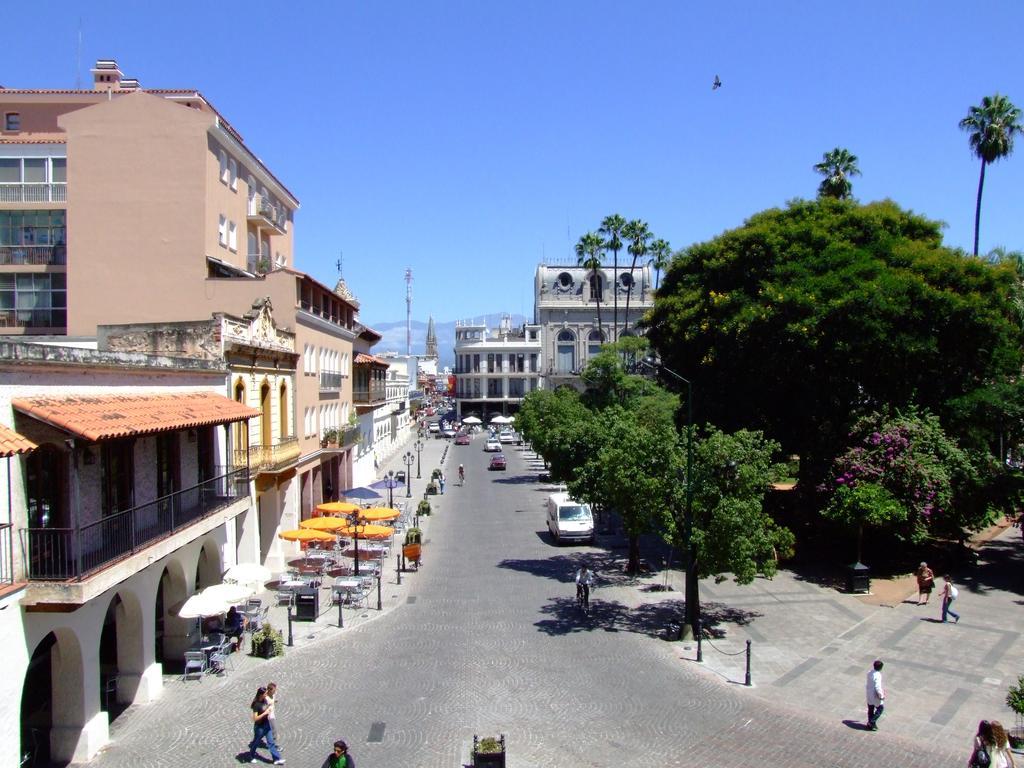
(264, 730)
(925, 584)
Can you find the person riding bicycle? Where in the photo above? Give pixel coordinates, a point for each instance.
(462, 475)
(584, 581)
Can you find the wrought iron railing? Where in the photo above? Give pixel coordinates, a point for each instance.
(6, 553)
(263, 458)
(330, 381)
(75, 553)
(35, 255)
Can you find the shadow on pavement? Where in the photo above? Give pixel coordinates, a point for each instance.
(855, 725)
(515, 479)
(998, 568)
(655, 619)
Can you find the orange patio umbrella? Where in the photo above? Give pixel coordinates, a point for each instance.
(337, 508)
(306, 534)
(377, 513)
(367, 531)
(327, 524)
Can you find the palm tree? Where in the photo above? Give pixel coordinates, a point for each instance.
(992, 127)
(588, 254)
(611, 228)
(837, 167)
(638, 234)
(661, 253)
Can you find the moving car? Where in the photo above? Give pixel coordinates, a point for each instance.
(507, 436)
(462, 439)
(433, 427)
(569, 520)
(492, 445)
(498, 462)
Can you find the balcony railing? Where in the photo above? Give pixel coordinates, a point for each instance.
(268, 458)
(33, 318)
(330, 381)
(349, 436)
(36, 255)
(263, 211)
(371, 395)
(6, 554)
(34, 193)
(75, 553)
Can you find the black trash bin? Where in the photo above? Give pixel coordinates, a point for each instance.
(858, 578)
(307, 604)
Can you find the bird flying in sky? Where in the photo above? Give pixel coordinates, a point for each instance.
(717, 84)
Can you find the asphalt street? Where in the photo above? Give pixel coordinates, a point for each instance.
(487, 639)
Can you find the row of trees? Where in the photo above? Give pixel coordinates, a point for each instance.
(992, 126)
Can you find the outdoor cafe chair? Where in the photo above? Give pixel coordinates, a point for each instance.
(285, 597)
(195, 664)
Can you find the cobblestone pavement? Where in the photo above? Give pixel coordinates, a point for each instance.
(486, 639)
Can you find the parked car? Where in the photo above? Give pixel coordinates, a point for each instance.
(507, 437)
(433, 427)
(498, 462)
(569, 520)
(492, 445)
(448, 432)
(462, 439)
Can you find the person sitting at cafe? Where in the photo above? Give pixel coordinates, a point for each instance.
(234, 625)
(212, 625)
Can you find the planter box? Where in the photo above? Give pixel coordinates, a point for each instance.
(488, 759)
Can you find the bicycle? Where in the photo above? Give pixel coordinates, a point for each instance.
(583, 598)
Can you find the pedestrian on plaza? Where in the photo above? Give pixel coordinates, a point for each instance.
(1002, 739)
(440, 480)
(925, 583)
(261, 730)
(949, 594)
(986, 752)
(339, 758)
(875, 694)
(272, 713)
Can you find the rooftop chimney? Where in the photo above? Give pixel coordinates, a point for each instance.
(106, 75)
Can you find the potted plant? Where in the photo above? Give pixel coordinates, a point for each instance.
(330, 438)
(432, 488)
(267, 642)
(414, 535)
(435, 474)
(423, 508)
(489, 751)
(1015, 701)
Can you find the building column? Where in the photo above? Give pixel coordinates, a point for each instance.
(139, 676)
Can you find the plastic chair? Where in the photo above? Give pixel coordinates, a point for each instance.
(285, 597)
(195, 664)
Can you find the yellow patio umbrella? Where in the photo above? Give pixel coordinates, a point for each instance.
(367, 531)
(306, 534)
(327, 524)
(377, 513)
(337, 508)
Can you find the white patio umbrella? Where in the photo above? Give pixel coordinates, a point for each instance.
(248, 573)
(471, 420)
(501, 420)
(200, 606)
(228, 594)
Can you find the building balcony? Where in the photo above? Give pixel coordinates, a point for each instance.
(34, 193)
(370, 397)
(269, 459)
(265, 215)
(6, 554)
(34, 255)
(349, 435)
(330, 381)
(53, 319)
(76, 554)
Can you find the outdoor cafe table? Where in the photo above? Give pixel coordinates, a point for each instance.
(347, 587)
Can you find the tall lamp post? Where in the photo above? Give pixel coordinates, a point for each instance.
(419, 447)
(408, 459)
(692, 595)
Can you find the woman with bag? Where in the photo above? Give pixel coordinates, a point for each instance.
(261, 728)
(925, 583)
(949, 594)
(987, 752)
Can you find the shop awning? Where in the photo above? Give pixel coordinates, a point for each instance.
(11, 443)
(105, 417)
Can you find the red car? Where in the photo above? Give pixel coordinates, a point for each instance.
(498, 462)
(462, 439)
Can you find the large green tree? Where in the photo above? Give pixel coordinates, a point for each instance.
(806, 318)
(837, 167)
(992, 127)
(588, 255)
(611, 229)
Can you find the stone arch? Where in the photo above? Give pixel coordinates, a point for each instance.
(171, 634)
(266, 407)
(122, 654)
(208, 565)
(240, 429)
(53, 703)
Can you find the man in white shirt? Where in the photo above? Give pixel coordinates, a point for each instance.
(875, 695)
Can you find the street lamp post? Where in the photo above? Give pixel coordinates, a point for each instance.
(407, 460)
(391, 488)
(419, 447)
(691, 617)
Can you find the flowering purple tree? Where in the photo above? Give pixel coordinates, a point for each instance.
(918, 465)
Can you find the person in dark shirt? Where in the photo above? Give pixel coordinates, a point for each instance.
(261, 729)
(234, 625)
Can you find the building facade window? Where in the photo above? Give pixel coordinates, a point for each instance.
(533, 362)
(117, 479)
(594, 341)
(233, 173)
(223, 167)
(596, 287)
(12, 121)
(565, 352)
(222, 231)
(232, 236)
(37, 300)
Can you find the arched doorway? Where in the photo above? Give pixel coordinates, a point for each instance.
(266, 426)
(108, 661)
(208, 568)
(282, 410)
(121, 653)
(170, 635)
(565, 351)
(37, 703)
(240, 436)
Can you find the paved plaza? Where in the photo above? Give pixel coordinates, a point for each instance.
(486, 639)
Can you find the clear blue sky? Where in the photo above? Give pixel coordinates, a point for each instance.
(470, 140)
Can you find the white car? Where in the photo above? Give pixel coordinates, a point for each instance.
(493, 445)
(569, 520)
(507, 437)
(433, 427)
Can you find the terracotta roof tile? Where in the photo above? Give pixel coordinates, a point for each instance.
(104, 417)
(363, 358)
(11, 443)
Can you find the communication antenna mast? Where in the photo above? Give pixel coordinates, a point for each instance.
(78, 58)
(408, 311)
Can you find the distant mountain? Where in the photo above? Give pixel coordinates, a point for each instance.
(393, 334)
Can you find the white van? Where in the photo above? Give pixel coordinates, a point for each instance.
(569, 520)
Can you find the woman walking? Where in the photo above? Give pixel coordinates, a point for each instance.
(1002, 739)
(925, 583)
(261, 729)
(986, 752)
(949, 594)
(272, 710)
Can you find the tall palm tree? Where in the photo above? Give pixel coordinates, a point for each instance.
(661, 253)
(638, 234)
(992, 127)
(837, 167)
(589, 250)
(611, 229)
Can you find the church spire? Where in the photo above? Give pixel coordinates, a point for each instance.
(431, 339)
